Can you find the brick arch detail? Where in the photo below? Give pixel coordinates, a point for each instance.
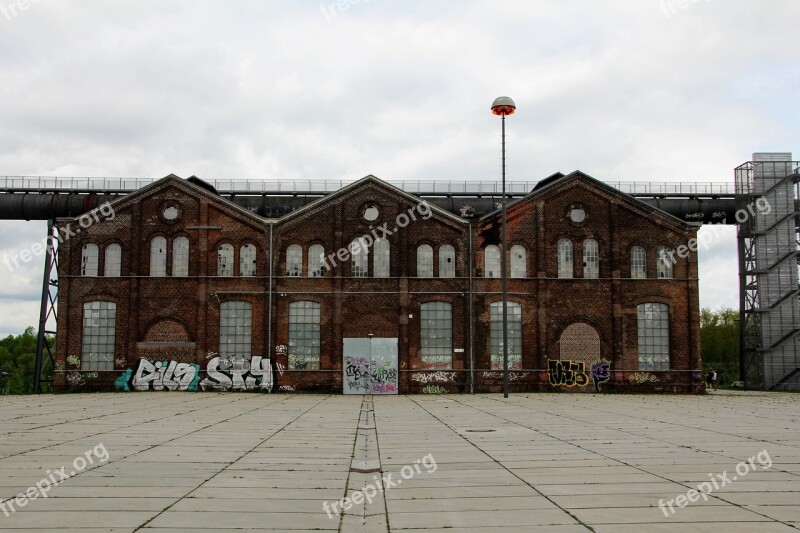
(579, 342)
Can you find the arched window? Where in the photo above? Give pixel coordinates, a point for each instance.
(664, 263)
(304, 335)
(180, 257)
(247, 260)
(436, 335)
(591, 259)
(89, 260)
(158, 257)
(294, 260)
(225, 260)
(579, 342)
(424, 261)
(638, 263)
(447, 261)
(360, 259)
(316, 260)
(565, 259)
(519, 267)
(113, 261)
(235, 330)
(99, 334)
(653, 333)
(381, 261)
(514, 335)
(491, 262)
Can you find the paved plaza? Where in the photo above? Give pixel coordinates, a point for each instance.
(559, 463)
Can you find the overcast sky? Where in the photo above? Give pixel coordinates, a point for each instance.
(637, 90)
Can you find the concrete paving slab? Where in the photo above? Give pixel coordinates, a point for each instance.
(558, 463)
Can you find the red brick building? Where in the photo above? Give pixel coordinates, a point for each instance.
(371, 289)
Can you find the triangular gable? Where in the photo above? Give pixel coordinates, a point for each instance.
(191, 189)
(352, 189)
(558, 184)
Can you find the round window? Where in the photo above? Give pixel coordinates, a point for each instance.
(171, 212)
(371, 213)
(577, 215)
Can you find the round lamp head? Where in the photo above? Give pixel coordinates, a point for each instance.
(503, 105)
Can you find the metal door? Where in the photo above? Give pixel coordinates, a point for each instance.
(369, 366)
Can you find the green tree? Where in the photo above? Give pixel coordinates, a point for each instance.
(18, 358)
(719, 340)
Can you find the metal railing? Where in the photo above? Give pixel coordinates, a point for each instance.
(271, 186)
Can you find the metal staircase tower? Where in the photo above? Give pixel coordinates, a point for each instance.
(769, 304)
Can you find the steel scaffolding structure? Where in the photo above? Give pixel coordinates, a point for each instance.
(768, 253)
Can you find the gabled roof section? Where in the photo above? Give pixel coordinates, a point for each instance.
(192, 188)
(558, 182)
(353, 188)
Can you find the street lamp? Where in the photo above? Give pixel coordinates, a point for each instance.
(503, 106)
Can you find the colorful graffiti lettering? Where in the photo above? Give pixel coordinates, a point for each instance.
(159, 375)
(567, 373)
(238, 375)
(287, 388)
(642, 377)
(434, 389)
(429, 377)
(601, 372)
(370, 376)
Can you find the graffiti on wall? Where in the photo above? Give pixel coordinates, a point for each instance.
(225, 374)
(567, 373)
(222, 374)
(513, 377)
(158, 376)
(640, 378)
(434, 377)
(601, 372)
(434, 389)
(370, 376)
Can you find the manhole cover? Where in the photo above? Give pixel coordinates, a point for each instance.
(480, 430)
(365, 470)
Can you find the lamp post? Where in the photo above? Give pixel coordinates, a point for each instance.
(503, 106)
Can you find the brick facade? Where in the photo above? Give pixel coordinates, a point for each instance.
(179, 318)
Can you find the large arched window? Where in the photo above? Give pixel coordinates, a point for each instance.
(99, 334)
(225, 260)
(591, 259)
(447, 261)
(514, 335)
(235, 330)
(180, 257)
(113, 261)
(316, 260)
(653, 333)
(638, 263)
(664, 263)
(491, 262)
(436, 335)
(565, 259)
(519, 262)
(359, 259)
(248, 255)
(158, 257)
(304, 335)
(294, 260)
(381, 261)
(424, 261)
(89, 260)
